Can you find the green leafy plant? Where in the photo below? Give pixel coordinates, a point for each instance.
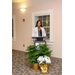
(33, 53)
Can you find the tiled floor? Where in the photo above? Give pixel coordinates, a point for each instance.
(21, 67)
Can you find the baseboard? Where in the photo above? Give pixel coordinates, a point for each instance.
(26, 51)
(18, 50)
(56, 58)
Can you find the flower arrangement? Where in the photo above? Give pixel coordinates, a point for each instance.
(43, 63)
(41, 59)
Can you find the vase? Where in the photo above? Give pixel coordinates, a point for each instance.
(43, 68)
(35, 66)
(48, 65)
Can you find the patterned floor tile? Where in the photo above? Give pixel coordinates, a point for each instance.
(21, 67)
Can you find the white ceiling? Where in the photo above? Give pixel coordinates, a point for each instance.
(18, 1)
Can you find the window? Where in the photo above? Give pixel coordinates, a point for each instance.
(13, 28)
(46, 24)
(46, 18)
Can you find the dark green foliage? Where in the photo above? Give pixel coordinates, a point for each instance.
(33, 53)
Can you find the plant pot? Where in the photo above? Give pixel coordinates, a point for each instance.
(35, 66)
(43, 68)
(48, 65)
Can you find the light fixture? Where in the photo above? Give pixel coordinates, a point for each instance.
(22, 9)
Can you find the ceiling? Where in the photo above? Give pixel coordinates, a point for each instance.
(18, 1)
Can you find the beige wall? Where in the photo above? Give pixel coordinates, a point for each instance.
(24, 29)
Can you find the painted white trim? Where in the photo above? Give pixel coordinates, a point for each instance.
(14, 38)
(40, 13)
(49, 44)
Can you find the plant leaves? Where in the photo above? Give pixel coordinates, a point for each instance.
(33, 53)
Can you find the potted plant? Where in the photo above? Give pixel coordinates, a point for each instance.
(43, 50)
(32, 57)
(35, 51)
(43, 63)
